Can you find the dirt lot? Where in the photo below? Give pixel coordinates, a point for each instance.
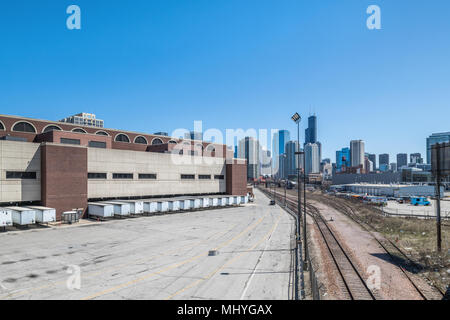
(417, 238)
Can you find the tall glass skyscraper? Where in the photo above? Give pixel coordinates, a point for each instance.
(280, 139)
(311, 131)
(436, 138)
(342, 159)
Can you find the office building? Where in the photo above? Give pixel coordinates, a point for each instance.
(63, 165)
(383, 159)
(343, 160)
(84, 119)
(373, 158)
(402, 160)
(357, 153)
(291, 164)
(416, 158)
(280, 139)
(250, 150)
(312, 162)
(436, 138)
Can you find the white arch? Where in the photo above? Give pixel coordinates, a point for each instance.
(162, 142)
(97, 133)
(3, 125)
(12, 127)
(51, 125)
(84, 131)
(120, 133)
(146, 141)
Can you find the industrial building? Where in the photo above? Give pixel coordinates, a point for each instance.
(388, 190)
(64, 166)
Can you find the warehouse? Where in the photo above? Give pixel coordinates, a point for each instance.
(389, 190)
(65, 166)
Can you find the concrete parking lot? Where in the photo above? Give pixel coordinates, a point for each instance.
(408, 209)
(158, 257)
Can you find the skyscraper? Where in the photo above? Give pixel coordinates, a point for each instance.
(312, 162)
(292, 159)
(280, 139)
(342, 159)
(416, 158)
(402, 160)
(384, 159)
(266, 162)
(436, 138)
(373, 157)
(249, 149)
(311, 131)
(357, 153)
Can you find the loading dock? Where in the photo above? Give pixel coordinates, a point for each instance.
(136, 206)
(174, 205)
(44, 214)
(205, 202)
(102, 210)
(5, 217)
(22, 216)
(120, 208)
(163, 206)
(150, 206)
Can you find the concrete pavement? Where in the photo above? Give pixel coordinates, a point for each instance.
(158, 257)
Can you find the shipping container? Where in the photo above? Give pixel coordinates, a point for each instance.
(120, 208)
(22, 216)
(174, 205)
(163, 206)
(100, 210)
(136, 206)
(5, 217)
(150, 206)
(44, 214)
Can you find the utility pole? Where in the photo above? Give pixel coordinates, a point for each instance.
(438, 196)
(304, 212)
(296, 118)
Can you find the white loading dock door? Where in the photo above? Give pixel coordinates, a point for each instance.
(205, 202)
(223, 201)
(163, 206)
(136, 206)
(101, 210)
(5, 217)
(214, 202)
(22, 216)
(196, 203)
(174, 205)
(44, 214)
(150, 206)
(120, 208)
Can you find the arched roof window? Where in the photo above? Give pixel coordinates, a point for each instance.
(79, 130)
(157, 141)
(122, 138)
(23, 126)
(51, 128)
(140, 140)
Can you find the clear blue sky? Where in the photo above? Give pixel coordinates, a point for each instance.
(158, 65)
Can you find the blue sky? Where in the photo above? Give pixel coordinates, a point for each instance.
(158, 65)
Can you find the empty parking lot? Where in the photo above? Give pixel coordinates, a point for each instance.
(232, 253)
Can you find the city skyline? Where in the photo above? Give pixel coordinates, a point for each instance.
(137, 73)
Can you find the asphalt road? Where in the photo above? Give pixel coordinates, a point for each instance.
(158, 257)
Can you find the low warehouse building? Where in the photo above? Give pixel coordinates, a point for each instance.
(394, 190)
(65, 166)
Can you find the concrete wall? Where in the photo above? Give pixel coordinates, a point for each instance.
(168, 172)
(19, 156)
(384, 178)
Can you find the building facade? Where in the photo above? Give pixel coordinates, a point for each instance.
(436, 138)
(63, 165)
(357, 153)
(384, 159)
(250, 150)
(84, 119)
(312, 162)
(402, 160)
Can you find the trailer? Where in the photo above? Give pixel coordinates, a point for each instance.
(223, 201)
(196, 203)
(150, 206)
(136, 206)
(244, 199)
(163, 206)
(22, 216)
(44, 214)
(174, 205)
(185, 204)
(102, 210)
(5, 217)
(205, 202)
(214, 202)
(120, 208)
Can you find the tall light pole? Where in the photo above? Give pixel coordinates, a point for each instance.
(297, 118)
(285, 180)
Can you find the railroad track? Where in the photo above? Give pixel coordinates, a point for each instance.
(398, 256)
(351, 281)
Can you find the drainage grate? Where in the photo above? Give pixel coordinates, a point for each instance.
(212, 253)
